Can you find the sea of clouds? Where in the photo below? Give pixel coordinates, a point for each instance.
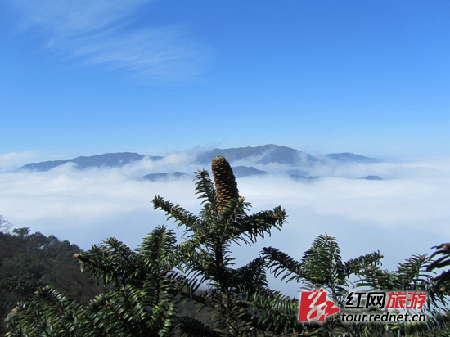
(405, 213)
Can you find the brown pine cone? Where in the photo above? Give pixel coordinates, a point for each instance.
(225, 181)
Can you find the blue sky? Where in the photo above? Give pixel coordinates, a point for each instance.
(83, 78)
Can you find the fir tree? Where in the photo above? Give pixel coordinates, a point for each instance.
(207, 257)
(137, 299)
(322, 267)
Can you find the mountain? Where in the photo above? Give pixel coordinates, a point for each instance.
(299, 177)
(267, 154)
(104, 160)
(372, 178)
(351, 158)
(274, 154)
(244, 171)
(163, 176)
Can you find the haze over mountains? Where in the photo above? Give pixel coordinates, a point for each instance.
(246, 161)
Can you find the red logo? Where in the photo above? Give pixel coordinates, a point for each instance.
(315, 307)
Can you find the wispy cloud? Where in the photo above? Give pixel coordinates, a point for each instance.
(105, 32)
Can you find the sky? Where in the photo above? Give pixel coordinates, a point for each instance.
(89, 77)
(171, 78)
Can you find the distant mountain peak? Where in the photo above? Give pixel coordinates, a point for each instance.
(163, 176)
(347, 157)
(269, 154)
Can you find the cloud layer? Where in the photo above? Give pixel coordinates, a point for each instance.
(106, 32)
(404, 214)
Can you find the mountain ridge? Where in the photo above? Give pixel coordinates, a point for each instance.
(117, 159)
(261, 155)
(271, 154)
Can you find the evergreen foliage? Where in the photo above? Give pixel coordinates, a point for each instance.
(5, 225)
(206, 254)
(29, 261)
(322, 267)
(137, 298)
(442, 284)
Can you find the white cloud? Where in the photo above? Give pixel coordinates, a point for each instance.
(13, 160)
(405, 214)
(103, 32)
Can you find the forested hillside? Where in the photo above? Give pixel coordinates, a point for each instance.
(31, 260)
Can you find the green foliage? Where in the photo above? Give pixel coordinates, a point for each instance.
(137, 299)
(206, 256)
(29, 261)
(322, 267)
(21, 232)
(442, 282)
(5, 225)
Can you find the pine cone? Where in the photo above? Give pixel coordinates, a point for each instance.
(225, 181)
